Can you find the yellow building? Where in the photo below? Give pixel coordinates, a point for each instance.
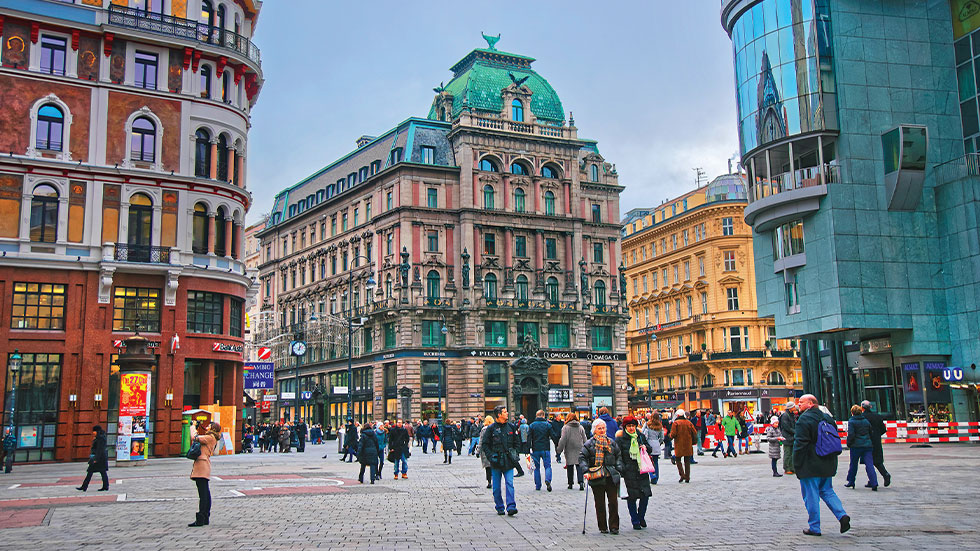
(694, 338)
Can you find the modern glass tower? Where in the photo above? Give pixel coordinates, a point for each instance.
(857, 122)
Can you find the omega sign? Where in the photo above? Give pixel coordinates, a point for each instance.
(592, 356)
(222, 347)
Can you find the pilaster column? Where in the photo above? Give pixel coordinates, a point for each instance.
(538, 250)
(156, 227)
(213, 169)
(211, 233)
(232, 162)
(123, 222)
(238, 241)
(228, 230)
(508, 245)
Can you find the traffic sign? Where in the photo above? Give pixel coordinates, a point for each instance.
(265, 353)
(306, 395)
(952, 374)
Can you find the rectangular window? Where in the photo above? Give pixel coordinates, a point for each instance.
(428, 155)
(204, 312)
(489, 244)
(53, 55)
(333, 225)
(654, 279)
(597, 252)
(559, 375)
(343, 222)
(727, 226)
(146, 70)
(367, 210)
(530, 329)
(432, 333)
(390, 243)
(235, 316)
(670, 349)
(673, 240)
(357, 213)
(431, 378)
(666, 279)
(495, 333)
(667, 312)
(745, 340)
(520, 246)
(602, 338)
(656, 314)
(38, 306)
(659, 351)
(495, 374)
(685, 237)
(550, 248)
(732, 293)
(793, 296)
(37, 404)
(701, 266)
(389, 331)
(596, 213)
(687, 271)
(677, 308)
(601, 375)
(389, 201)
(558, 335)
(130, 302)
(704, 303)
(690, 306)
(433, 241)
(676, 274)
(645, 282)
(729, 261)
(432, 198)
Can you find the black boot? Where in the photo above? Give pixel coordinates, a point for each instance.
(199, 520)
(450, 460)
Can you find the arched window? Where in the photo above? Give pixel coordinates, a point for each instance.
(521, 287)
(595, 173)
(519, 203)
(202, 154)
(219, 232)
(144, 140)
(222, 157)
(487, 165)
(226, 87)
(551, 290)
(200, 228)
(50, 128)
(488, 197)
(140, 227)
(549, 172)
(490, 286)
(517, 110)
(600, 293)
(518, 168)
(221, 17)
(776, 378)
(708, 381)
(206, 81)
(44, 214)
(207, 13)
(549, 203)
(432, 284)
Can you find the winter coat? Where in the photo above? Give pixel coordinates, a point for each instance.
(586, 460)
(556, 426)
(808, 464)
(475, 430)
(382, 436)
(524, 429)
(398, 441)
(484, 458)
(611, 425)
(877, 430)
(656, 440)
(858, 432)
(300, 430)
(501, 444)
(587, 425)
(684, 435)
(637, 483)
(571, 440)
(775, 446)
(350, 437)
(367, 448)
(731, 424)
(539, 437)
(425, 431)
(98, 459)
(448, 436)
(202, 465)
(787, 426)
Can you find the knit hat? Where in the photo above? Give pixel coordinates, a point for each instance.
(630, 420)
(774, 420)
(679, 413)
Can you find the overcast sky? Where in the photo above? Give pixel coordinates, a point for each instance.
(651, 80)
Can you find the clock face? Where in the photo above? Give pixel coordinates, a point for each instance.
(299, 348)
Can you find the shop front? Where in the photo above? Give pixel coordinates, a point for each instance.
(928, 397)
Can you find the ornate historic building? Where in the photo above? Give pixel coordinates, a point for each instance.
(124, 129)
(695, 338)
(485, 223)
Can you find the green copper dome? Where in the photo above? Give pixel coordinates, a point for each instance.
(479, 78)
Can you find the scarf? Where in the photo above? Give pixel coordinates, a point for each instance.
(634, 446)
(602, 446)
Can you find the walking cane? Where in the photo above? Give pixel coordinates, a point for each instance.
(586, 513)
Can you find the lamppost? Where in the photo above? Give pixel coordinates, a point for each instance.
(13, 365)
(369, 286)
(649, 380)
(443, 377)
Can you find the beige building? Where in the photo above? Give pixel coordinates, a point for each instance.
(695, 338)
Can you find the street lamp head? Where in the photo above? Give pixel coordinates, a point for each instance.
(313, 316)
(371, 284)
(14, 364)
(444, 330)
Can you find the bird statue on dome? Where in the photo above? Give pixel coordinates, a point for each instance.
(439, 89)
(491, 40)
(518, 81)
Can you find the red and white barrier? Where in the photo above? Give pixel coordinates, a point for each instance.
(896, 432)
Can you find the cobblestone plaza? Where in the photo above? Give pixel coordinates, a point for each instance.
(300, 501)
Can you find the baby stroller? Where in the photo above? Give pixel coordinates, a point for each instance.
(247, 444)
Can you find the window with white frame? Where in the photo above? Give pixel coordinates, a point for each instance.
(729, 261)
(145, 64)
(732, 294)
(701, 266)
(53, 52)
(704, 303)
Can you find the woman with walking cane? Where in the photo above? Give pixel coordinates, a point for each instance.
(599, 459)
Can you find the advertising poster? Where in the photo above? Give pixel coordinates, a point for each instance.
(259, 375)
(134, 390)
(27, 437)
(137, 449)
(134, 409)
(122, 448)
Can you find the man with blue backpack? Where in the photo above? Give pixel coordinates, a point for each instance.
(815, 449)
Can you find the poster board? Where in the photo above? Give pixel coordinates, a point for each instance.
(134, 409)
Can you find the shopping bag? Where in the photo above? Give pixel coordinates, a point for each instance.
(530, 464)
(646, 464)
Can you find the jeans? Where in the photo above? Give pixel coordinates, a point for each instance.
(88, 478)
(473, 442)
(638, 511)
(731, 445)
(541, 457)
(381, 463)
(814, 489)
(508, 477)
(655, 475)
(788, 466)
(403, 461)
(374, 472)
(856, 455)
(701, 435)
(774, 469)
(425, 445)
(203, 497)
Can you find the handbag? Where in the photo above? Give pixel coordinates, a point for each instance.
(646, 464)
(195, 451)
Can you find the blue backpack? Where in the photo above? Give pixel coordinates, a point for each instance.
(828, 440)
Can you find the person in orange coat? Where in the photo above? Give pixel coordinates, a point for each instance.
(683, 433)
(207, 435)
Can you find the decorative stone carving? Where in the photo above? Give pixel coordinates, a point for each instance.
(105, 284)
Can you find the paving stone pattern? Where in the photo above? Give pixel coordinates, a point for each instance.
(300, 501)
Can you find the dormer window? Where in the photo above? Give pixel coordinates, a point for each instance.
(517, 110)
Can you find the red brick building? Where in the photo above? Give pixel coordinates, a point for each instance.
(122, 201)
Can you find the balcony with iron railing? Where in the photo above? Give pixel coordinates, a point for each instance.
(126, 252)
(187, 29)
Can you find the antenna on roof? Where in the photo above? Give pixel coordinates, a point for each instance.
(699, 176)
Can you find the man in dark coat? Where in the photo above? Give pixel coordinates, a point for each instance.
(556, 426)
(877, 430)
(448, 433)
(367, 452)
(501, 445)
(816, 473)
(424, 432)
(301, 432)
(787, 427)
(9, 445)
(539, 437)
(350, 442)
(398, 441)
(98, 460)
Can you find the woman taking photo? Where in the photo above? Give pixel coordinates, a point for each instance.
(98, 460)
(599, 459)
(638, 492)
(207, 436)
